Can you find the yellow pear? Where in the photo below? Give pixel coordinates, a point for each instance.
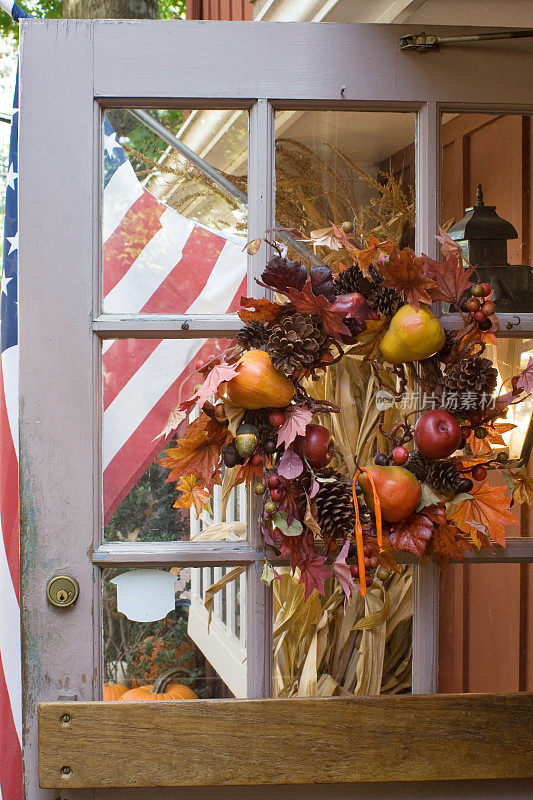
(412, 336)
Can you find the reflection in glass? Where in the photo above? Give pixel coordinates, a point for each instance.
(325, 648)
(491, 151)
(143, 380)
(207, 654)
(172, 237)
(352, 167)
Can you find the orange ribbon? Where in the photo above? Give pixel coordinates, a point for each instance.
(359, 527)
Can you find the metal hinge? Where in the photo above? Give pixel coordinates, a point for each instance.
(422, 42)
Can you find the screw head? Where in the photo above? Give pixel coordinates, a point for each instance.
(66, 770)
(65, 719)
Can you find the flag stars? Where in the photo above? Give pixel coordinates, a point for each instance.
(5, 281)
(11, 177)
(13, 243)
(110, 144)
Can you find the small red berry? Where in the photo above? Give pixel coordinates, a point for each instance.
(400, 455)
(200, 364)
(277, 495)
(257, 459)
(274, 480)
(479, 473)
(276, 418)
(354, 569)
(479, 316)
(486, 289)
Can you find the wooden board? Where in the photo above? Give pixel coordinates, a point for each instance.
(252, 742)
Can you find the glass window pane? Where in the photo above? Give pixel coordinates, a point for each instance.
(347, 166)
(143, 381)
(172, 234)
(325, 648)
(486, 612)
(491, 150)
(205, 642)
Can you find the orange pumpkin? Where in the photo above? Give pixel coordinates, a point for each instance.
(162, 689)
(114, 691)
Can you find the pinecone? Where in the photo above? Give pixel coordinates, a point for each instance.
(386, 301)
(444, 477)
(447, 347)
(296, 342)
(418, 464)
(470, 377)
(334, 502)
(352, 280)
(253, 335)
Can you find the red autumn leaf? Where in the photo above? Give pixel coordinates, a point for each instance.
(412, 534)
(198, 453)
(290, 465)
(248, 471)
(313, 573)
(406, 272)
(488, 507)
(366, 257)
(265, 310)
(449, 247)
(348, 245)
(297, 418)
(342, 571)
(221, 372)
(308, 303)
(525, 379)
(450, 277)
(449, 542)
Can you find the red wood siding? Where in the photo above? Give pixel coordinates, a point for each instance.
(229, 10)
(486, 610)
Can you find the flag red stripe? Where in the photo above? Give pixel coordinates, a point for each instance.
(241, 291)
(125, 356)
(184, 283)
(9, 509)
(120, 363)
(140, 448)
(10, 753)
(138, 226)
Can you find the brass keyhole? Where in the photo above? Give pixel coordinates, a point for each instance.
(62, 591)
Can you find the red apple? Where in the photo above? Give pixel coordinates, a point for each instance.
(317, 446)
(437, 434)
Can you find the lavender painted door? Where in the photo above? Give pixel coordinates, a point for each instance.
(71, 72)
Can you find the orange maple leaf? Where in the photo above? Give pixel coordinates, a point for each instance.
(198, 453)
(193, 495)
(265, 310)
(406, 272)
(495, 430)
(489, 509)
(366, 257)
(449, 542)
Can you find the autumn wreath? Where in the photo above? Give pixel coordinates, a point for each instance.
(407, 479)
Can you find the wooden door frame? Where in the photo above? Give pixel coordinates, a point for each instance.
(70, 71)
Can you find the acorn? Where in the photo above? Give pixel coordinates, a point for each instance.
(230, 455)
(246, 440)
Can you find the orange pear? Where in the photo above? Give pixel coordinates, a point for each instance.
(397, 489)
(259, 384)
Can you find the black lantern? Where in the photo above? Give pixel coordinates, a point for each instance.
(482, 235)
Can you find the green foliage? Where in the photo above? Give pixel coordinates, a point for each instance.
(53, 9)
(149, 508)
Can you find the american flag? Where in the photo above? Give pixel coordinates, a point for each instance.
(155, 261)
